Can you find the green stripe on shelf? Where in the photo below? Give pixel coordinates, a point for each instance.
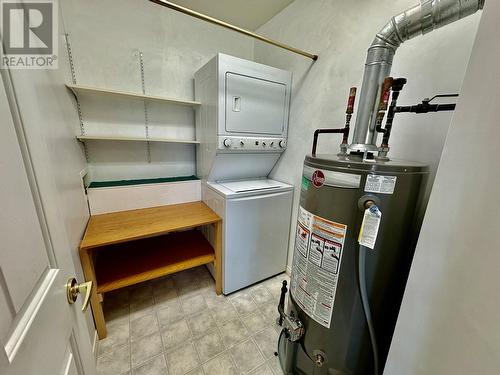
(100, 184)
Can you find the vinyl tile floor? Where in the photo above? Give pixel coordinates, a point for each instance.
(177, 325)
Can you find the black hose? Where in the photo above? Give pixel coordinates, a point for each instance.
(366, 306)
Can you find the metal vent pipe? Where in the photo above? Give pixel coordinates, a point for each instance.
(420, 19)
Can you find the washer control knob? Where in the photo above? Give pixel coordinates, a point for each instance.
(282, 143)
(242, 143)
(271, 144)
(227, 142)
(263, 144)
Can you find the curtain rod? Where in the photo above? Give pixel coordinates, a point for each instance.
(216, 21)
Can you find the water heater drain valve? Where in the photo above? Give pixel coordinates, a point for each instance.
(293, 327)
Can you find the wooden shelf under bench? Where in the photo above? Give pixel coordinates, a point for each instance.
(124, 248)
(129, 263)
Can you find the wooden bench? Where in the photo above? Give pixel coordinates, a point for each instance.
(144, 244)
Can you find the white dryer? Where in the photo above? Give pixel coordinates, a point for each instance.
(256, 225)
(242, 122)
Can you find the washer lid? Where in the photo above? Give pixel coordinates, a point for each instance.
(251, 185)
(246, 188)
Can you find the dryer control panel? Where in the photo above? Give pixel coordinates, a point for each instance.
(253, 144)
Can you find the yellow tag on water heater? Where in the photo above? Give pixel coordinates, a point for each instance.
(369, 228)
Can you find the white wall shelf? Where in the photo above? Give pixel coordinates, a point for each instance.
(85, 138)
(169, 116)
(78, 89)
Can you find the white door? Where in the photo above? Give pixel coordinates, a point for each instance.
(40, 332)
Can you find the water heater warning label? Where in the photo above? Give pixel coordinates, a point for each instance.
(316, 265)
(380, 184)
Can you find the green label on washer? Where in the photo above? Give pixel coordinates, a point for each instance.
(305, 183)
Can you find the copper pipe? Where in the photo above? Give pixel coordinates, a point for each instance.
(216, 21)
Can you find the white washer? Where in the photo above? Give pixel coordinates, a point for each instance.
(256, 224)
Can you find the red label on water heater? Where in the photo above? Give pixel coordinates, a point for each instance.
(318, 178)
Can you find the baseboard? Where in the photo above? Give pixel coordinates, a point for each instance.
(95, 345)
(288, 271)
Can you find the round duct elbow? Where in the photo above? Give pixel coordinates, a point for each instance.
(420, 19)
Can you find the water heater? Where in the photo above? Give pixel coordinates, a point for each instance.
(324, 293)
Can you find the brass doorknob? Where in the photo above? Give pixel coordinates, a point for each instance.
(73, 289)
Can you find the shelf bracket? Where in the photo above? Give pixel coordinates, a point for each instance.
(146, 118)
(78, 105)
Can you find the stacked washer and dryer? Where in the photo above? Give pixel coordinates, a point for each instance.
(242, 128)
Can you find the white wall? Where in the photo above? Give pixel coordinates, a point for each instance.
(449, 319)
(340, 32)
(105, 37)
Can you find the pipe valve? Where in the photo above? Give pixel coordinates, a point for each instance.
(351, 100)
(349, 111)
(397, 86)
(426, 105)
